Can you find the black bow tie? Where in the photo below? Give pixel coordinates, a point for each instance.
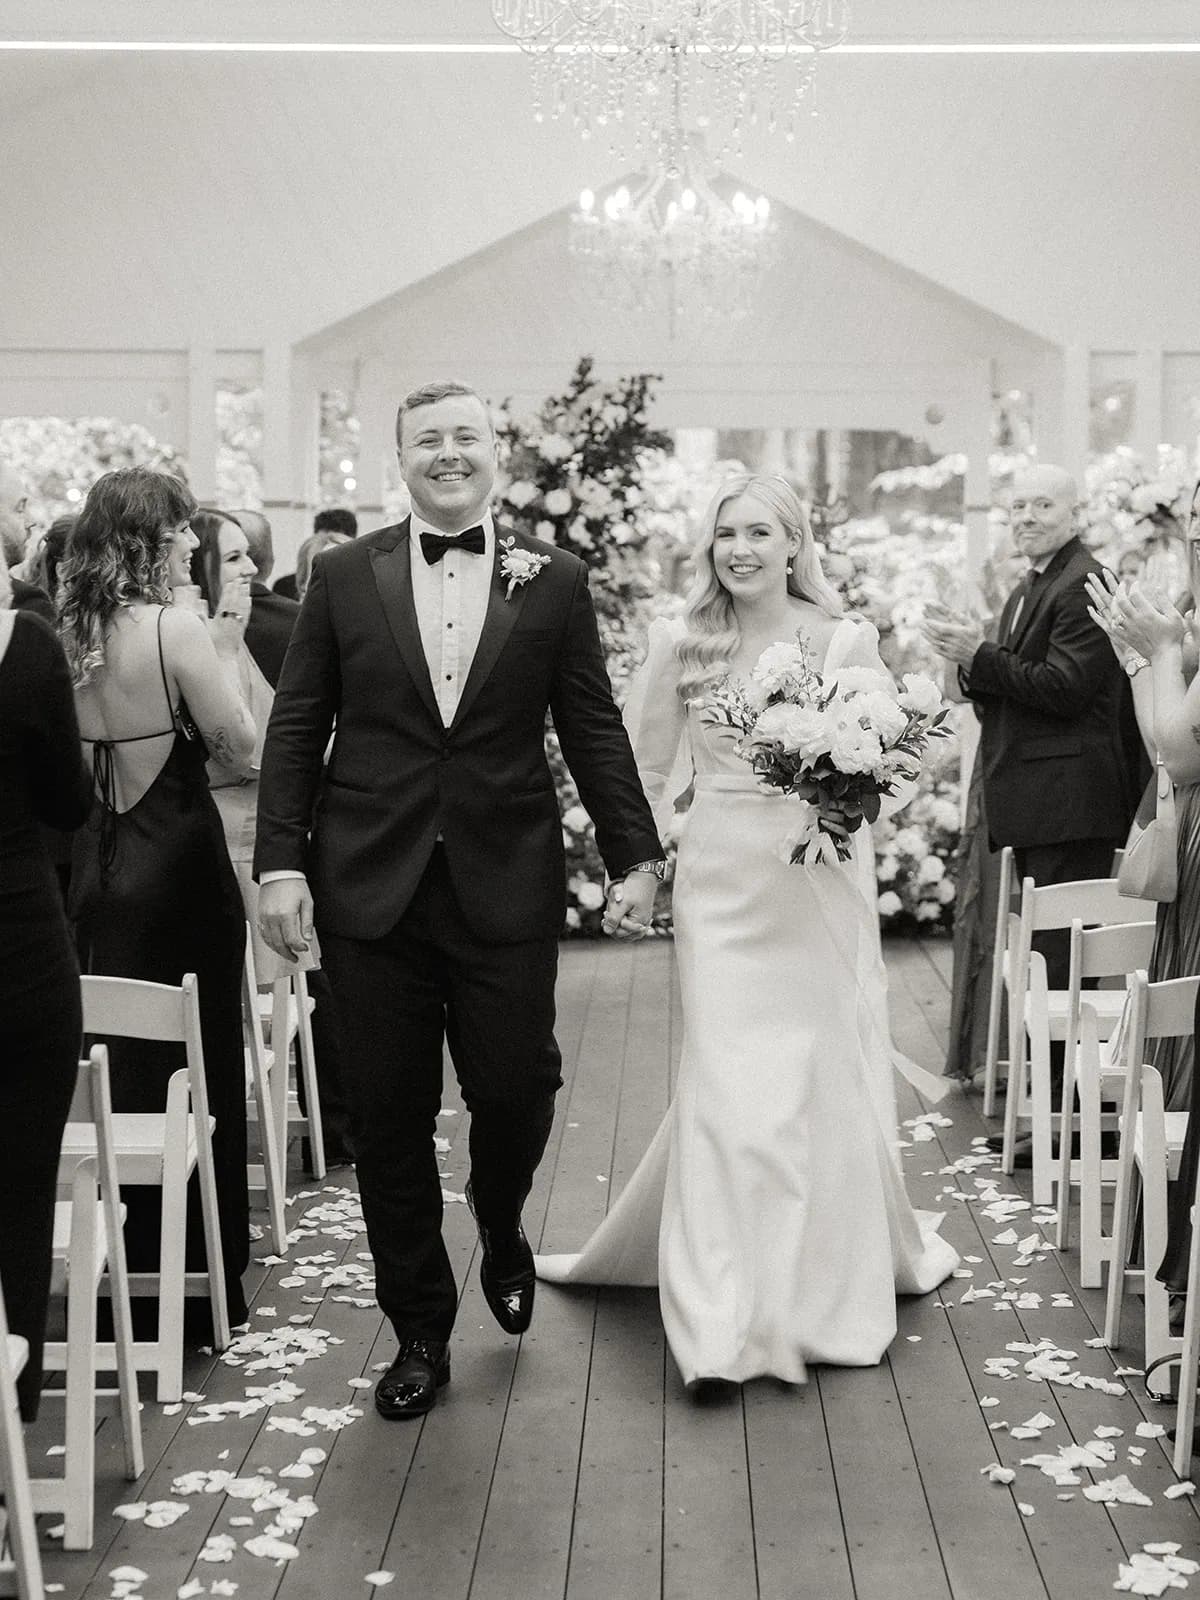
(435, 545)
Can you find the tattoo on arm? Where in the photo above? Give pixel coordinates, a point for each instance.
(1196, 732)
(220, 747)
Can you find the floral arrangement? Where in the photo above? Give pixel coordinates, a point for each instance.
(839, 745)
(915, 853)
(60, 458)
(1131, 509)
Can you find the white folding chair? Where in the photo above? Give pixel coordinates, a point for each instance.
(1094, 1069)
(1151, 1143)
(1000, 977)
(287, 1011)
(163, 1149)
(16, 1515)
(1189, 1365)
(1037, 1014)
(88, 1243)
(266, 1174)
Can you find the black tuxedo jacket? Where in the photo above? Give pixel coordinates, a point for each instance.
(29, 597)
(1048, 697)
(397, 777)
(269, 630)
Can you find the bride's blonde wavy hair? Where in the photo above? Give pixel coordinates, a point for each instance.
(712, 634)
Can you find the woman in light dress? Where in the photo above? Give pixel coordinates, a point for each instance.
(770, 1209)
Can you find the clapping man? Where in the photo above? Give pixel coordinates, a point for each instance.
(1055, 779)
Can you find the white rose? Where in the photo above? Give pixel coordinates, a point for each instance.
(546, 530)
(802, 730)
(931, 870)
(777, 664)
(946, 891)
(890, 904)
(854, 749)
(521, 493)
(921, 694)
(576, 819)
(886, 868)
(880, 713)
(558, 502)
(590, 896)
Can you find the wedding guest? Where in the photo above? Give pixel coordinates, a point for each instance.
(15, 529)
(1055, 779)
(268, 634)
(44, 564)
(272, 616)
(153, 894)
(1156, 643)
(315, 545)
(334, 519)
(42, 780)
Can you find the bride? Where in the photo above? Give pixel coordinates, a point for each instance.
(769, 1209)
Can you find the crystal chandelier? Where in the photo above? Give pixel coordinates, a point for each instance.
(635, 71)
(674, 246)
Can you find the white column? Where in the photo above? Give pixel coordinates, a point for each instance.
(1148, 404)
(202, 421)
(376, 405)
(283, 486)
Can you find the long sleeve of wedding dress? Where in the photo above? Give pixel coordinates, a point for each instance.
(656, 721)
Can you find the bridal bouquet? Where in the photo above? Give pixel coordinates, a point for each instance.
(838, 744)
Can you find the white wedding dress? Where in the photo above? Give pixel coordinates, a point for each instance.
(769, 1209)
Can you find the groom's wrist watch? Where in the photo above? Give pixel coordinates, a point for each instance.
(657, 868)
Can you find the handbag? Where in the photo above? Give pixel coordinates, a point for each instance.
(1149, 868)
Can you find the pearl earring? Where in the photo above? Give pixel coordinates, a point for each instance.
(789, 569)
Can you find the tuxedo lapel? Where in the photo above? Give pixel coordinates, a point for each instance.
(498, 623)
(392, 570)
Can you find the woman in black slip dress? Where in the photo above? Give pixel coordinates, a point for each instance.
(153, 894)
(42, 781)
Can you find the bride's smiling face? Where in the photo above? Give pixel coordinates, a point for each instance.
(751, 549)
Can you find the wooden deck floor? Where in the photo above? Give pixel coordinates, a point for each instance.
(572, 1465)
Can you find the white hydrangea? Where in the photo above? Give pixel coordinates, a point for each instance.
(555, 447)
(944, 815)
(890, 904)
(886, 868)
(558, 502)
(574, 920)
(921, 694)
(946, 891)
(546, 530)
(910, 841)
(576, 819)
(931, 870)
(928, 911)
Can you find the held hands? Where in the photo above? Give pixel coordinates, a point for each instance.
(1137, 620)
(954, 635)
(285, 917)
(630, 906)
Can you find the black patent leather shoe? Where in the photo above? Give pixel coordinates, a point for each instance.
(506, 1274)
(409, 1386)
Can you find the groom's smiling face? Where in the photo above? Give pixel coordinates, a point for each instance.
(448, 460)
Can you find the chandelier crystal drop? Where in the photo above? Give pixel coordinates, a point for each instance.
(635, 71)
(675, 246)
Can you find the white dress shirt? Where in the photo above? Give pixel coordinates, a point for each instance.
(451, 598)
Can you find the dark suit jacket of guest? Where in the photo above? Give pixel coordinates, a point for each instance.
(286, 586)
(397, 778)
(1054, 769)
(30, 597)
(269, 630)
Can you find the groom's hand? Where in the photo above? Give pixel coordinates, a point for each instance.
(285, 916)
(630, 906)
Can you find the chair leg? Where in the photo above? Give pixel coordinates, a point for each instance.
(1091, 1193)
(1119, 1244)
(306, 1066)
(1189, 1367)
(131, 1417)
(171, 1263)
(1042, 1115)
(1016, 1093)
(272, 1166)
(19, 1528)
(222, 1337)
(1156, 1304)
(1066, 1121)
(83, 1277)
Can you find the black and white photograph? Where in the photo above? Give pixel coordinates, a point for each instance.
(599, 799)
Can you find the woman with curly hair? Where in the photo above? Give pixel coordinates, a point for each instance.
(153, 894)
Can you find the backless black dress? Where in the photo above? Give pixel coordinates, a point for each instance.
(153, 896)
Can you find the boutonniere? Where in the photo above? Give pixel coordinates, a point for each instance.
(518, 565)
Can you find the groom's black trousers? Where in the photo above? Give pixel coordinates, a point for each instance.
(398, 998)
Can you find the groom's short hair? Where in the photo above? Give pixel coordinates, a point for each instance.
(430, 393)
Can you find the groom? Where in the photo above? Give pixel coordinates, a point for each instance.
(434, 873)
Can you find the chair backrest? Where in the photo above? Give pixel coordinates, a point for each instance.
(1091, 900)
(1170, 1010)
(91, 1103)
(132, 1008)
(1112, 951)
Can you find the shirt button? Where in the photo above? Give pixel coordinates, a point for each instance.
(449, 625)
(449, 677)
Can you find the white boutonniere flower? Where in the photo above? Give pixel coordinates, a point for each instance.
(518, 565)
